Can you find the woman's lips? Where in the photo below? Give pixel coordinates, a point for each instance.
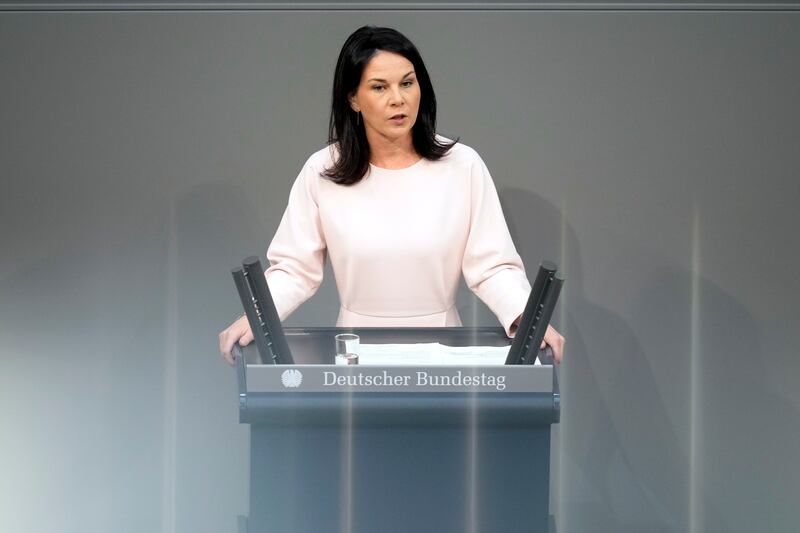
(398, 119)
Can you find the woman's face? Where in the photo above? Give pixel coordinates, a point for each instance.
(387, 96)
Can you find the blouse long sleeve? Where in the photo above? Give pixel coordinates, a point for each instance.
(297, 252)
(492, 268)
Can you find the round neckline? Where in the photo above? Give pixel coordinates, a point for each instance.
(382, 169)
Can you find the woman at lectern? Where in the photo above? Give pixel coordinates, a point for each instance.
(400, 211)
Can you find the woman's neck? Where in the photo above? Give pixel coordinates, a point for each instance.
(392, 153)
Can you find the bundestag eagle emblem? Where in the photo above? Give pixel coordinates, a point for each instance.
(291, 378)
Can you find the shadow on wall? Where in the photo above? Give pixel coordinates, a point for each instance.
(623, 466)
(216, 226)
(630, 460)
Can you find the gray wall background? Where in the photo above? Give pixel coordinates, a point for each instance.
(653, 154)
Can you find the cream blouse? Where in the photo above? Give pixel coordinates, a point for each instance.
(398, 240)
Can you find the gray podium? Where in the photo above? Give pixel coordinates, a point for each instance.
(370, 449)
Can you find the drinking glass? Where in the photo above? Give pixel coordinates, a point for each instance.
(347, 349)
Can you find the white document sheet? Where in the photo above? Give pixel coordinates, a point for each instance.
(430, 354)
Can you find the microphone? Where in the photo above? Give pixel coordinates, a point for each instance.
(536, 317)
(259, 307)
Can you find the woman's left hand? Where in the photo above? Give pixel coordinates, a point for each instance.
(555, 340)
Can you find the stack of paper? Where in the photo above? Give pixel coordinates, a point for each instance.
(430, 354)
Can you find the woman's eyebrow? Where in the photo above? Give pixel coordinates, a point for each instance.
(384, 81)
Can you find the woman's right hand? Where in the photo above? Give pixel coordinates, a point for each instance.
(239, 332)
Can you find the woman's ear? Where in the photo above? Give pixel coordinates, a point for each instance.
(353, 102)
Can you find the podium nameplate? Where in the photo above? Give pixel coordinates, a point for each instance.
(501, 379)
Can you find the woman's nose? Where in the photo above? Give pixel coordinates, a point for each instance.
(395, 97)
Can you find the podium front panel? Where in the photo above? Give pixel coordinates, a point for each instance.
(403, 457)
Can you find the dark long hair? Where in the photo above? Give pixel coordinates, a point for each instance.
(346, 133)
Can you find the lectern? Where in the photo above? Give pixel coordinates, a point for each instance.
(396, 449)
